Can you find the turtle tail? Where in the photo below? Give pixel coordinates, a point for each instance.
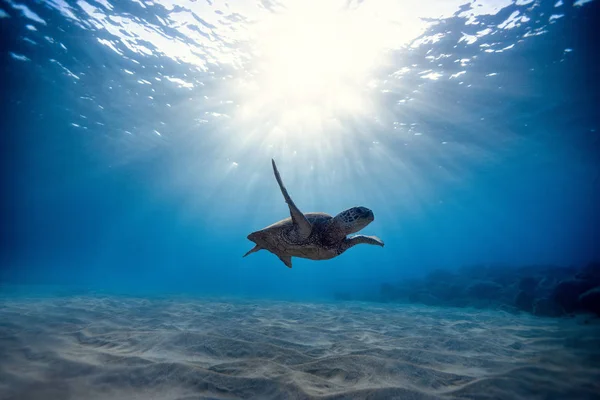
(253, 250)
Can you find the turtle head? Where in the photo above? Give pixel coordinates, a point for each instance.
(354, 219)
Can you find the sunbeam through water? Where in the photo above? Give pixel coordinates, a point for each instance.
(137, 138)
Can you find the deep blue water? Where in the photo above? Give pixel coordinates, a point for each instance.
(126, 166)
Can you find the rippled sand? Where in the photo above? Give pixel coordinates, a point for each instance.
(113, 348)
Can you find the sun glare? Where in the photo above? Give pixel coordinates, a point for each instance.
(313, 63)
(311, 55)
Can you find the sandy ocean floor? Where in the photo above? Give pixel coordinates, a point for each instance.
(110, 347)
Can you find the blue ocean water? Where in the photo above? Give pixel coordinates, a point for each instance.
(137, 138)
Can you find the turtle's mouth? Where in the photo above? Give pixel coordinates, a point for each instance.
(367, 214)
(365, 218)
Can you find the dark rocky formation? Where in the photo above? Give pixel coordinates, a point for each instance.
(590, 272)
(546, 307)
(524, 301)
(484, 290)
(567, 293)
(528, 284)
(590, 300)
(543, 290)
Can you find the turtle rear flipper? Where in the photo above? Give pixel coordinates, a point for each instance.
(302, 227)
(287, 260)
(253, 250)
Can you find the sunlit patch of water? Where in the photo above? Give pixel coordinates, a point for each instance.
(327, 88)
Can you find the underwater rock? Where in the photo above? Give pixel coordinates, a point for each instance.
(524, 301)
(590, 272)
(567, 293)
(484, 290)
(547, 308)
(508, 308)
(544, 290)
(528, 284)
(547, 284)
(449, 292)
(590, 300)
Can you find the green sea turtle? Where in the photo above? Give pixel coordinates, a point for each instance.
(316, 235)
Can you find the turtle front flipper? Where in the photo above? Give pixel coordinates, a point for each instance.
(302, 227)
(359, 239)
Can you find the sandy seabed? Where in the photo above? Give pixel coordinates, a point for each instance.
(114, 347)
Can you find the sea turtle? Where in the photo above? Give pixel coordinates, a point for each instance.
(316, 235)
